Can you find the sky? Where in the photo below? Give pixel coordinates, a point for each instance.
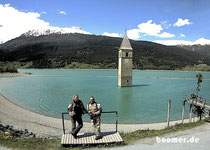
(169, 21)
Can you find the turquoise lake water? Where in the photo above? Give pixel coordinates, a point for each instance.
(145, 102)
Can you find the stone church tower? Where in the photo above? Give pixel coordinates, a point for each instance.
(125, 63)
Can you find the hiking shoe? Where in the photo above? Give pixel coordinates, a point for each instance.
(98, 137)
(74, 135)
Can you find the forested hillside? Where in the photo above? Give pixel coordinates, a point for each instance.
(63, 50)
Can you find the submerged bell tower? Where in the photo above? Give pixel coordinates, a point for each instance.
(125, 64)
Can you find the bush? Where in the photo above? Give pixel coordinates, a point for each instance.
(8, 68)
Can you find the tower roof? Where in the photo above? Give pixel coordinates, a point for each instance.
(125, 43)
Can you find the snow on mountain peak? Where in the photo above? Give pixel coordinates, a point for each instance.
(201, 41)
(57, 30)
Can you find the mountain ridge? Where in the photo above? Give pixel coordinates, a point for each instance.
(201, 41)
(59, 50)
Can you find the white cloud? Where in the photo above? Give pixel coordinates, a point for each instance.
(62, 12)
(13, 23)
(166, 35)
(201, 41)
(173, 42)
(111, 34)
(182, 35)
(148, 29)
(133, 33)
(180, 22)
(43, 12)
(165, 24)
(7, 5)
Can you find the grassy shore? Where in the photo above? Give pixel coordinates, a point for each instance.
(129, 138)
(12, 67)
(200, 67)
(76, 65)
(8, 68)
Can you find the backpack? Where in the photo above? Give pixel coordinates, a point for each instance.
(96, 106)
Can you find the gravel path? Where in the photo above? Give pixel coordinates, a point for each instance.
(7, 75)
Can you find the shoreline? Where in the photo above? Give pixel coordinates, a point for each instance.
(112, 69)
(45, 126)
(8, 75)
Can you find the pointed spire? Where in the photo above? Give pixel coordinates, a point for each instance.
(125, 43)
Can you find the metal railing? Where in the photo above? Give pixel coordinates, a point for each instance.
(104, 112)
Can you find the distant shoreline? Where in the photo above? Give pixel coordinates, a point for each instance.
(110, 69)
(2, 75)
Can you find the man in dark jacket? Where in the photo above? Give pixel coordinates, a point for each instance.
(76, 109)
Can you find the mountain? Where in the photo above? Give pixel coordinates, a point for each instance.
(201, 46)
(52, 30)
(201, 49)
(55, 30)
(201, 41)
(56, 50)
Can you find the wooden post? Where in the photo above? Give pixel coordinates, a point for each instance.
(116, 120)
(183, 111)
(63, 123)
(169, 109)
(190, 120)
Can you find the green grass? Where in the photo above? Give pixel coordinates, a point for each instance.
(29, 143)
(54, 144)
(8, 68)
(76, 65)
(40, 143)
(26, 65)
(140, 134)
(200, 67)
(13, 66)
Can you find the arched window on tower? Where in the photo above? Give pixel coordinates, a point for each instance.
(126, 54)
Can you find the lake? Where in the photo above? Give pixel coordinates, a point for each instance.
(51, 90)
